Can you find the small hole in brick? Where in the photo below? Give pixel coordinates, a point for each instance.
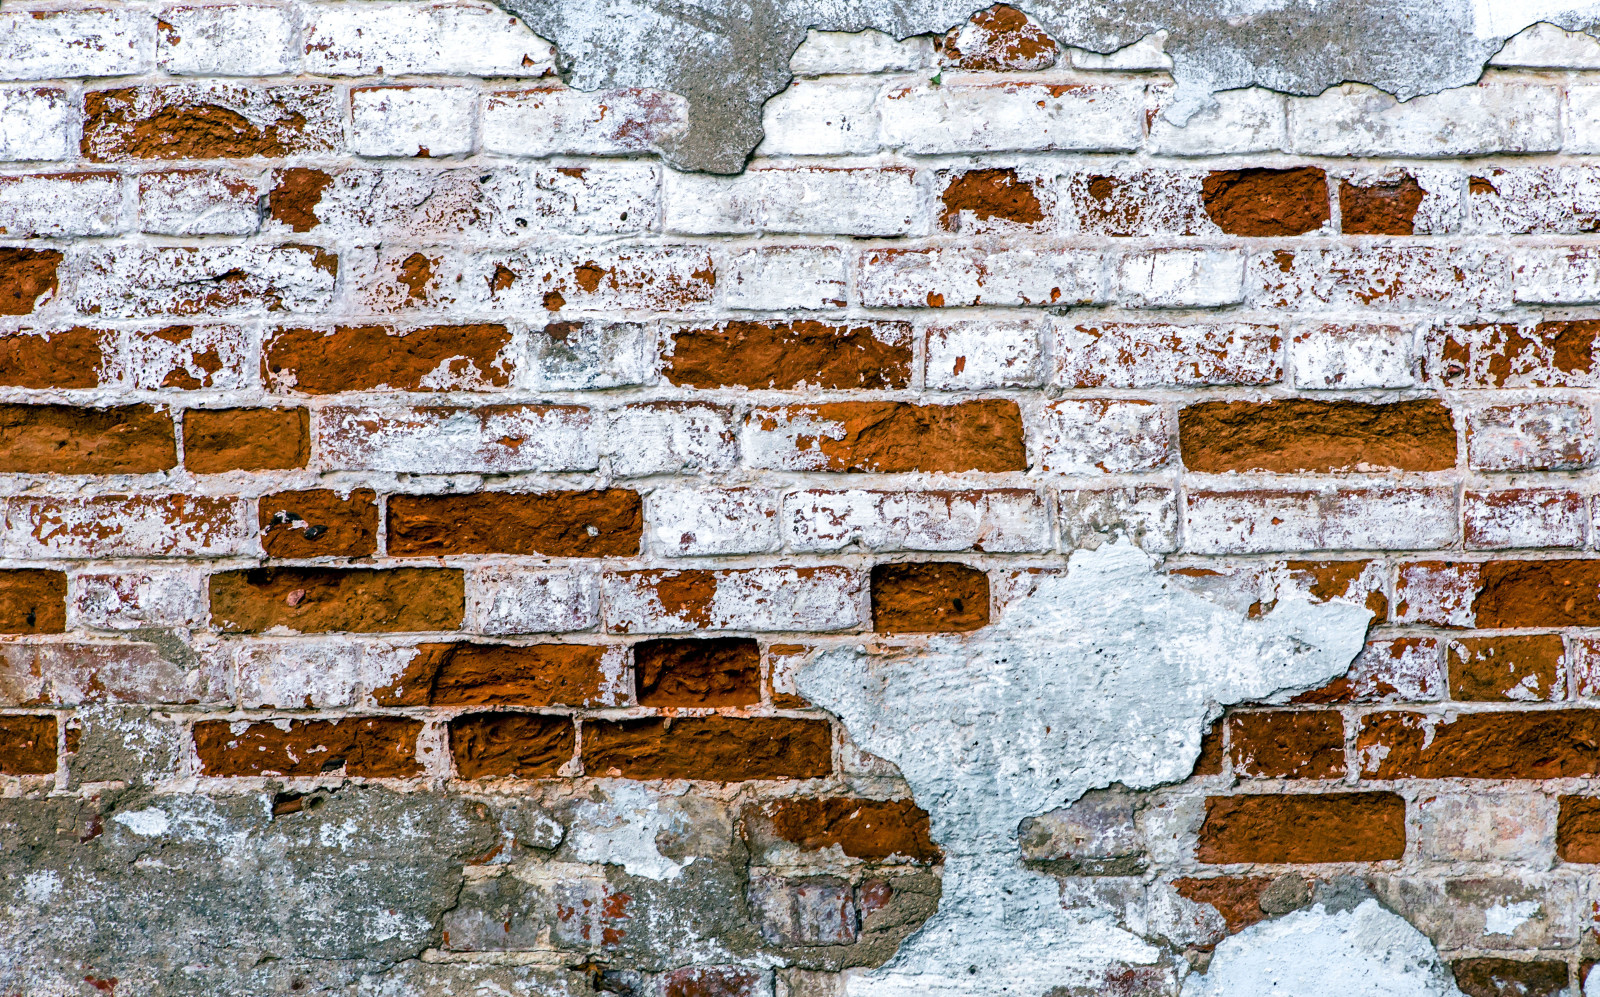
(960, 606)
(333, 764)
(313, 532)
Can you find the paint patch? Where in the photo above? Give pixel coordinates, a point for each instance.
(621, 830)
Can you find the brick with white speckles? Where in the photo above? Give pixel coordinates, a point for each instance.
(1524, 517)
(61, 204)
(232, 39)
(1394, 278)
(125, 526)
(983, 354)
(1556, 275)
(445, 440)
(1531, 436)
(1009, 520)
(1092, 354)
(504, 599)
(227, 281)
(687, 522)
(764, 599)
(199, 202)
(1385, 518)
(1104, 437)
(959, 276)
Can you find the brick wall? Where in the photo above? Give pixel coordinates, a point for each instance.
(379, 417)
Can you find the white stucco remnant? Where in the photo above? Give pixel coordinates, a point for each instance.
(1504, 919)
(149, 822)
(621, 830)
(1108, 673)
(1364, 952)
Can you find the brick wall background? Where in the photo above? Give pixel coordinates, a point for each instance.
(402, 471)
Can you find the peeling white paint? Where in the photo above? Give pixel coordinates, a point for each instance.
(1107, 673)
(621, 830)
(1365, 952)
(1505, 919)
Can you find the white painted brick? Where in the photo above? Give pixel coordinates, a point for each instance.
(670, 438)
(1582, 119)
(503, 599)
(827, 53)
(1556, 275)
(984, 354)
(1386, 277)
(1245, 522)
(552, 121)
(1140, 355)
(1147, 54)
(802, 201)
(1342, 357)
(1437, 592)
(199, 202)
(1531, 436)
(131, 599)
(86, 41)
(590, 355)
(694, 522)
(1545, 46)
(1242, 121)
(412, 121)
(493, 439)
(1504, 827)
(1358, 120)
(784, 277)
(814, 118)
(1002, 521)
(131, 281)
(190, 357)
(1524, 517)
(996, 117)
(298, 674)
(1103, 437)
(73, 672)
(236, 39)
(1543, 200)
(71, 204)
(37, 123)
(125, 526)
(1145, 514)
(405, 39)
(961, 276)
(1181, 278)
(763, 600)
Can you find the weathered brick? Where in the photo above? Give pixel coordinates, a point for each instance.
(60, 204)
(464, 674)
(1181, 278)
(887, 436)
(872, 830)
(929, 596)
(367, 358)
(70, 358)
(790, 354)
(61, 439)
(1358, 120)
(1440, 593)
(27, 745)
(236, 281)
(123, 526)
(1281, 745)
(297, 674)
(1107, 437)
(1347, 355)
(1380, 207)
(1578, 829)
(994, 200)
(602, 523)
(505, 600)
(37, 123)
(1545, 744)
(1546, 46)
(316, 600)
(716, 749)
(997, 521)
(522, 745)
(980, 355)
(210, 121)
(363, 747)
(198, 202)
(33, 601)
(820, 118)
(1527, 669)
(1387, 518)
(1147, 515)
(1536, 436)
(1555, 275)
(1246, 120)
(1539, 200)
(319, 523)
(135, 599)
(1267, 202)
(1303, 435)
(233, 39)
(240, 439)
(181, 357)
(783, 661)
(994, 117)
(1132, 203)
(999, 38)
(805, 201)
(1582, 114)
(553, 121)
(717, 671)
(962, 277)
(1126, 355)
(1302, 828)
(422, 40)
(28, 279)
(580, 356)
(1524, 517)
(89, 41)
(801, 277)
(412, 120)
(1405, 670)
(714, 981)
(758, 599)
(1549, 593)
(1486, 828)
(708, 522)
(488, 439)
(1552, 354)
(1397, 278)
(816, 911)
(76, 672)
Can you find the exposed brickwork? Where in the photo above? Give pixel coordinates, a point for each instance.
(717, 749)
(267, 439)
(721, 671)
(1332, 827)
(929, 596)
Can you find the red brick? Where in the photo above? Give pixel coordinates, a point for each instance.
(717, 671)
(371, 357)
(1303, 828)
(61, 439)
(1236, 898)
(1303, 435)
(1578, 829)
(1508, 668)
(246, 439)
(210, 121)
(716, 749)
(522, 745)
(33, 601)
(463, 674)
(318, 523)
(872, 830)
(1551, 593)
(996, 39)
(981, 435)
(606, 523)
(1494, 977)
(1541, 744)
(929, 596)
(1281, 745)
(72, 358)
(712, 981)
(1554, 354)
(791, 354)
(985, 200)
(26, 275)
(1383, 208)
(364, 747)
(316, 600)
(27, 745)
(1267, 202)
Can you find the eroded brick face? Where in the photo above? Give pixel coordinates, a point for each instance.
(410, 477)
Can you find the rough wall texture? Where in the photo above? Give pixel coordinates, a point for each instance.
(448, 552)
